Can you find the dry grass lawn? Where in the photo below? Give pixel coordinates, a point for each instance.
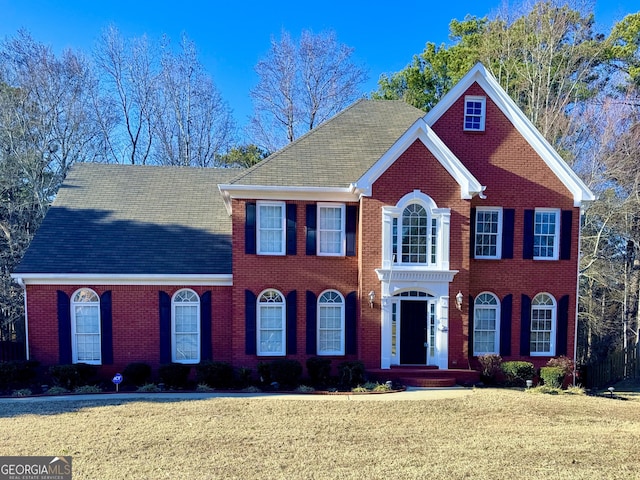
(489, 434)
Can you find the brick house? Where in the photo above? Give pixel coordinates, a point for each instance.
(383, 235)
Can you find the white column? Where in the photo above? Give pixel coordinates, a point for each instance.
(385, 333)
(442, 332)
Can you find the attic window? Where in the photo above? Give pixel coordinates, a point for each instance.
(474, 114)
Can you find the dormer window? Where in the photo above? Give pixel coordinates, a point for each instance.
(474, 113)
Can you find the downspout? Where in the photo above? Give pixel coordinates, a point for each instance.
(20, 282)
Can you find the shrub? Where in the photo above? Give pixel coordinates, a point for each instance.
(137, 373)
(490, 364)
(351, 374)
(72, 376)
(286, 372)
(57, 391)
(17, 374)
(215, 374)
(204, 388)
(149, 388)
(23, 392)
(264, 372)
(319, 369)
(244, 376)
(567, 366)
(174, 375)
(517, 372)
(305, 389)
(552, 376)
(87, 389)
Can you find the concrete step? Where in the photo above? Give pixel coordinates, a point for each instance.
(433, 382)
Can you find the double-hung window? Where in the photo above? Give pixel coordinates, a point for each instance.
(474, 113)
(485, 324)
(271, 323)
(271, 228)
(85, 327)
(543, 325)
(185, 328)
(330, 324)
(331, 229)
(488, 233)
(546, 232)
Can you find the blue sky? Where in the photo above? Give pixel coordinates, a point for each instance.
(231, 37)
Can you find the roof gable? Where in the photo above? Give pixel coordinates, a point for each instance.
(480, 75)
(469, 185)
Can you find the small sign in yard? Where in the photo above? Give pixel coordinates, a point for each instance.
(117, 380)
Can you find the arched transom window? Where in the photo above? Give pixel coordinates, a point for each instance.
(271, 323)
(185, 327)
(85, 327)
(543, 325)
(330, 323)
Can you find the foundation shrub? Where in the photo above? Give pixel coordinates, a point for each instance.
(517, 372)
(567, 366)
(244, 377)
(490, 368)
(72, 376)
(174, 375)
(319, 370)
(137, 374)
(552, 376)
(215, 374)
(286, 372)
(351, 374)
(17, 374)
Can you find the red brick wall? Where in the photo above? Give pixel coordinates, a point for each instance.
(284, 273)
(515, 177)
(135, 319)
(415, 169)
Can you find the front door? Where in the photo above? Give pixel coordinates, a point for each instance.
(414, 332)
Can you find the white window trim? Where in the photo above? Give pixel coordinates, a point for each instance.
(498, 255)
(556, 240)
(74, 334)
(342, 326)
(554, 325)
(483, 113)
(343, 234)
(283, 350)
(174, 356)
(497, 331)
(283, 225)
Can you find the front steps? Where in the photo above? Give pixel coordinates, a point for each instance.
(426, 376)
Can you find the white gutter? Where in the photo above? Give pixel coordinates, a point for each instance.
(225, 280)
(20, 282)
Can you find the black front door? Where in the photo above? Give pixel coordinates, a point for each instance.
(413, 332)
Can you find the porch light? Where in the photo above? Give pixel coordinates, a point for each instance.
(459, 298)
(372, 297)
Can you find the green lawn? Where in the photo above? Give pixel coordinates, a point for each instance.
(488, 434)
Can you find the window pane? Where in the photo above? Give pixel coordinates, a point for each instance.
(414, 234)
(271, 229)
(487, 228)
(544, 240)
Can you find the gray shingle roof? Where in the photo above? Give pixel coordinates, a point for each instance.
(338, 152)
(125, 219)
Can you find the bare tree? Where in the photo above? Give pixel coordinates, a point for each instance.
(193, 123)
(301, 85)
(128, 82)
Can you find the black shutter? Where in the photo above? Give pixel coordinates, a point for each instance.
(291, 229)
(250, 322)
(471, 325)
(525, 327)
(350, 313)
(164, 307)
(508, 222)
(527, 241)
(292, 319)
(64, 328)
(311, 229)
(106, 325)
(566, 224)
(506, 308)
(351, 223)
(312, 323)
(206, 351)
(250, 228)
(562, 328)
(472, 234)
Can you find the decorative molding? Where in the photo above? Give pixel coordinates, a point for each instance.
(399, 274)
(106, 279)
